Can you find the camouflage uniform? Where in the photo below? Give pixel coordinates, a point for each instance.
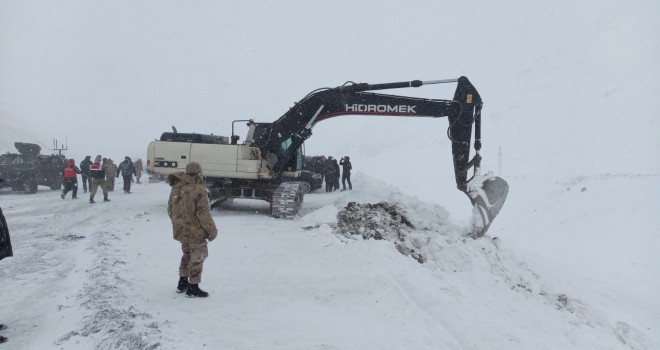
(126, 169)
(192, 224)
(110, 170)
(98, 176)
(138, 169)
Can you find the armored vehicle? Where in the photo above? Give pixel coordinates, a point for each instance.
(27, 169)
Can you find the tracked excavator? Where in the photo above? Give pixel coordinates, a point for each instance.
(267, 164)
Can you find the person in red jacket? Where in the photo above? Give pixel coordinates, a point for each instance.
(71, 180)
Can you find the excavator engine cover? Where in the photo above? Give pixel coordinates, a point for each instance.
(487, 193)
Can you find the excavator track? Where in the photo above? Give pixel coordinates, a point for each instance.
(287, 199)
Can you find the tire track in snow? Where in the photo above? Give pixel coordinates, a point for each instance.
(109, 320)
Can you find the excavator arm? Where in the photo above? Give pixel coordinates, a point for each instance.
(487, 193)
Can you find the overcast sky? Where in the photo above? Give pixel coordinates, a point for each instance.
(109, 76)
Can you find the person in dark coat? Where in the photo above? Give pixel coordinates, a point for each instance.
(71, 180)
(335, 172)
(5, 242)
(329, 174)
(5, 251)
(126, 169)
(346, 172)
(84, 168)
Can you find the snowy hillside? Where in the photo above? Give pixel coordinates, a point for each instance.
(103, 276)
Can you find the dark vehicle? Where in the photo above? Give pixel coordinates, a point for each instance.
(27, 169)
(314, 180)
(312, 172)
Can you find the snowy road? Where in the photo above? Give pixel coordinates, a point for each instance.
(103, 276)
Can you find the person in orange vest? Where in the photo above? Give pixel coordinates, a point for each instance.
(71, 180)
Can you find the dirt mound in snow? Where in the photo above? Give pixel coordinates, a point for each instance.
(378, 221)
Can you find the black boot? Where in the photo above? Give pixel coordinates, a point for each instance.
(91, 200)
(183, 285)
(194, 291)
(105, 199)
(3, 339)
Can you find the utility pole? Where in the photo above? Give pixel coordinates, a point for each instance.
(62, 147)
(499, 161)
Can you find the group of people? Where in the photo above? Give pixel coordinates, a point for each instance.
(332, 170)
(188, 208)
(102, 173)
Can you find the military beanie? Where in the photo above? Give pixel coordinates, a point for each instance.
(193, 168)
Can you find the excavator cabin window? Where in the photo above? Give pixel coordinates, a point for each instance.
(296, 162)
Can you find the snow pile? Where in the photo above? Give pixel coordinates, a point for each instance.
(425, 233)
(378, 221)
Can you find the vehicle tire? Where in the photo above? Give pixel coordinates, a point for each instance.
(30, 185)
(55, 185)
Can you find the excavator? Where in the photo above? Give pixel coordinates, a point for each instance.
(267, 165)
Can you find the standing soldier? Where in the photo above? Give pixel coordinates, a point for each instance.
(346, 172)
(126, 169)
(110, 170)
(96, 172)
(192, 225)
(138, 170)
(84, 168)
(71, 180)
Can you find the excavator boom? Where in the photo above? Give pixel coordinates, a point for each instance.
(487, 193)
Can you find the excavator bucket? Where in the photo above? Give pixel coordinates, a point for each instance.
(487, 193)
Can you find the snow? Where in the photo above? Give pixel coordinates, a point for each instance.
(104, 276)
(570, 263)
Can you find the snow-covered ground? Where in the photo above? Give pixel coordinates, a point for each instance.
(103, 276)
